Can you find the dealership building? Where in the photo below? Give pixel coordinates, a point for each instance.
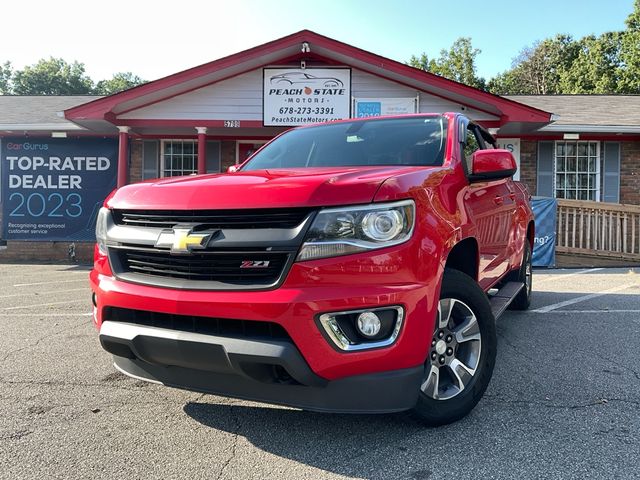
(61, 155)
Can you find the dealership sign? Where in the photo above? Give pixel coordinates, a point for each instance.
(371, 107)
(294, 96)
(53, 188)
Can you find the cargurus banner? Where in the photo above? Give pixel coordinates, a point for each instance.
(544, 243)
(53, 188)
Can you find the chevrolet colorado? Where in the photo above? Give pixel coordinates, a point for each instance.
(354, 266)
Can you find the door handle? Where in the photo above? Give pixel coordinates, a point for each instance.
(512, 196)
(498, 200)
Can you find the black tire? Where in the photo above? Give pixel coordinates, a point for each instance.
(524, 275)
(461, 291)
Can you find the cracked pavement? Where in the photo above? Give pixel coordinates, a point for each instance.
(564, 401)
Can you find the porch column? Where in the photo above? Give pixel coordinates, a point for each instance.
(123, 156)
(202, 150)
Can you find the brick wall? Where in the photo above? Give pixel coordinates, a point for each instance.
(528, 164)
(630, 173)
(228, 155)
(55, 252)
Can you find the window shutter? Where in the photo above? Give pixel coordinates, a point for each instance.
(545, 169)
(150, 154)
(213, 157)
(611, 168)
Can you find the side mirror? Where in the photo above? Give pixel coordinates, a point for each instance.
(492, 165)
(232, 168)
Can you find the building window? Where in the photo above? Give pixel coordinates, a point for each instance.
(179, 157)
(577, 170)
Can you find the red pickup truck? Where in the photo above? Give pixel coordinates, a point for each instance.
(354, 266)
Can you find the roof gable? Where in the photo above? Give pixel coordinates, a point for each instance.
(288, 49)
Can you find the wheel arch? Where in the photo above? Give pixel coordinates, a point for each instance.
(464, 257)
(531, 232)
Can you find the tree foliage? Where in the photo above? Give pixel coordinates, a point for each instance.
(458, 63)
(629, 79)
(119, 82)
(54, 76)
(6, 72)
(608, 63)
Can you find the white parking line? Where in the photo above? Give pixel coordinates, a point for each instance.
(563, 277)
(583, 298)
(49, 283)
(84, 300)
(43, 293)
(589, 311)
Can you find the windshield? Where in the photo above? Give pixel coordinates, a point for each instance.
(370, 142)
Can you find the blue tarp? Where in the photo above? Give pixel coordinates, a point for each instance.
(544, 244)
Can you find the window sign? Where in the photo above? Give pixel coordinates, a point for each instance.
(513, 145)
(293, 96)
(52, 188)
(371, 107)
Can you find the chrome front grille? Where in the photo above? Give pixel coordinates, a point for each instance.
(213, 219)
(239, 268)
(243, 250)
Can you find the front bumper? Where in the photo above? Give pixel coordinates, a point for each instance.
(326, 378)
(268, 371)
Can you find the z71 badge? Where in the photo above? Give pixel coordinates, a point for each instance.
(254, 264)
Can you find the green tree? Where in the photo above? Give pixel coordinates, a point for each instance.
(458, 63)
(538, 69)
(119, 82)
(505, 83)
(52, 77)
(629, 79)
(596, 68)
(6, 72)
(608, 63)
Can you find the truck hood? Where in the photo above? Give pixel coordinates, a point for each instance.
(257, 189)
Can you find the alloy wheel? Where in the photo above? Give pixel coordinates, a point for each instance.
(455, 350)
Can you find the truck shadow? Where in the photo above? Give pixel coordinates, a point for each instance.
(361, 446)
(536, 375)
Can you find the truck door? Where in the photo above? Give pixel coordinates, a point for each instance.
(491, 206)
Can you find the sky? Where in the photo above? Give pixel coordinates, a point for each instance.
(157, 38)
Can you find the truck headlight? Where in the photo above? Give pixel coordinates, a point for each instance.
(101, 230)
(345, 230)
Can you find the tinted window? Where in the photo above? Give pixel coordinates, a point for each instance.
(470, 146)
(398, 141)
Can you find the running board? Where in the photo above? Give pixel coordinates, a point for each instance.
(501, 300)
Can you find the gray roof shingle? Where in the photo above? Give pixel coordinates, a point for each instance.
(38, 109)
(597, 110)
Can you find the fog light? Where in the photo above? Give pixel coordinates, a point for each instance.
(354, 330)
(368, 324)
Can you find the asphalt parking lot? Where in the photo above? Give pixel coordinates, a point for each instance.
(564, 401)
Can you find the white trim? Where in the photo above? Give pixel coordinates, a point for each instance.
(238, 142)
(201, 130)
(41, 126)
(591, 128)
(124, 129)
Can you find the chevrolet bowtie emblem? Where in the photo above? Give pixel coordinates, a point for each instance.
(182, 241)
